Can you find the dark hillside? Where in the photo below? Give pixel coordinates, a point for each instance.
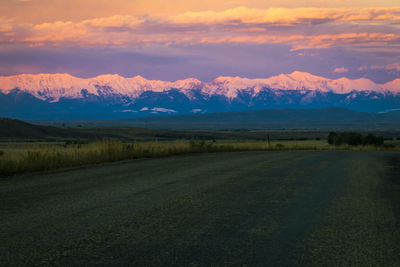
(11, 129)
(325, 118)
(16, 129)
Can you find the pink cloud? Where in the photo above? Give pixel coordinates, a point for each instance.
(392, 66)
(329, 27)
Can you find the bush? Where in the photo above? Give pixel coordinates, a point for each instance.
(279, 146)
(1, 153)
(389, 146)
(200, 145)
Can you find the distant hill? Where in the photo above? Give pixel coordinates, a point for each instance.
(16, 129)
(325, 118)
(249, 125)
(11, 129)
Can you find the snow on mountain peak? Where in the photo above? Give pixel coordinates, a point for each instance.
(300, 75)
(345, 85)
(44, 86)
(187, 84)
(230, 86)
(52, 87)
(393, 86)
(139, 78)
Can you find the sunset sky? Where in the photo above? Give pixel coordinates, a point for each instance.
(174, 39)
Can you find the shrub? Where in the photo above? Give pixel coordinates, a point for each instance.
(279, 146)
(1, 153)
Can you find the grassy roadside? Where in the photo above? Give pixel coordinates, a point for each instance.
(39, 157)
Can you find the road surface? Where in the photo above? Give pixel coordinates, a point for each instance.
(283, 208)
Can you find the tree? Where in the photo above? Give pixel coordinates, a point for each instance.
(354, 139)
(332, 138)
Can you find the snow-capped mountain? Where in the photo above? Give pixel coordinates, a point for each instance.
(63, 95)
(53, 87)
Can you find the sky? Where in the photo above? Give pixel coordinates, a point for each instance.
(170, 40)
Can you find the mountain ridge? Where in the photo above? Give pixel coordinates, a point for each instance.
(46, 96)
(55, 86)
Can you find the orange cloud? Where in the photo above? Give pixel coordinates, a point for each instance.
(341, 70)
(290, 16)
(302, 28)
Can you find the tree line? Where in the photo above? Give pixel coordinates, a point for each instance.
(354, 139)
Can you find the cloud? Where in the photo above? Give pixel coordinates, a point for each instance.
(388, 67)
(301, 28)
(341, 70)
(392, 66)
(363, 68)
(286, 16)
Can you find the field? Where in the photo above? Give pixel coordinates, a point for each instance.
(19, 131)
(269, 208)
(27, 147)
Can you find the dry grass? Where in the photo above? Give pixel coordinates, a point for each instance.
(39, 157)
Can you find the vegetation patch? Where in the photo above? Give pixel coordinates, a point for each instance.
(48, 156)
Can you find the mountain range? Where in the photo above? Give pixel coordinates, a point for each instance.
(63, 96)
